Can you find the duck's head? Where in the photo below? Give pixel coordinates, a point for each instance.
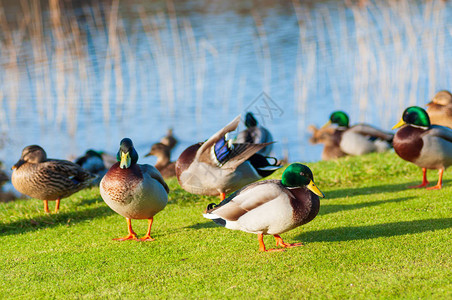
(31, 154)
(159, 149)
(127, 155)
(442, 98)
(339, 118)
(298, 175)
(415, 116)
(250, 120)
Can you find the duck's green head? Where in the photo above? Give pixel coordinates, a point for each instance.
(415, 116)
(127, 155)
(250, 120)
(338, 117)
(298, 175)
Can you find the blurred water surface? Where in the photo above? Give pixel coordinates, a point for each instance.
(84, 74)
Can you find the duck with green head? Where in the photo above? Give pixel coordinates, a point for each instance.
(352, 140)
(271, 207)
(133, 190)
(428, 146)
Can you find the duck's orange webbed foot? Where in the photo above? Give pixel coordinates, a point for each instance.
(440, 182)
(424, 180)
(130, 236)
(281, 243)
(262, 248)
(147, 238)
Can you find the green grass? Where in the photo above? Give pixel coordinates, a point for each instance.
(372, 238)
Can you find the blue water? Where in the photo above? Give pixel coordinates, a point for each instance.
(369, 61)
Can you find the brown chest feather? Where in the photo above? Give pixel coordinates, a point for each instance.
(305, 205)
(408, 142)
(120, 184)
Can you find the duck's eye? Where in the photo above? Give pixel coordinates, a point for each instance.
(301, 173)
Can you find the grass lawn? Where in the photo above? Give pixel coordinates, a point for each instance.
(372, 238)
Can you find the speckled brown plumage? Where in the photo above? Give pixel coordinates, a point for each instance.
(305, 205)
(47, 179)
(125, 180)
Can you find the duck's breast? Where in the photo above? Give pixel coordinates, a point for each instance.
(408, 143)
(131, 193)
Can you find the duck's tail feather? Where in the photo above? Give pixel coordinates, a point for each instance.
(218, 220)
(262, 165)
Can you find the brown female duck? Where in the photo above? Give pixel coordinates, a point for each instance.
(48, 179)
(164, 164)
(440, 109)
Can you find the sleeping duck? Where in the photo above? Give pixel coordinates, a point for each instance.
(132, 190)
(358, 139)
(219, 166)
(93, 162)
(270, 206)
(164, 164)
(428, 146)
(48, 179)
(255, 134)
(440, 109)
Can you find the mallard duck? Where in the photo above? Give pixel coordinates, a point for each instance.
(164, 164)
(93, 162)
(358, 139)
(48, 179)
(218, 166)
(428, 146)
(330, 138)
(134, 191)
(254, 133)
(440, 109)
(271, 206)
(169, 139)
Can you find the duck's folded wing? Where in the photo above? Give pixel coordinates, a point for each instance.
(247, 199)
(441, 131)
(365, 129)
(154, 173)
(67, 169)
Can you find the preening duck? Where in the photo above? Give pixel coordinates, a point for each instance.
(48, 179)
(134, 191)
(428, 146)
(270, 206)
(219, 166)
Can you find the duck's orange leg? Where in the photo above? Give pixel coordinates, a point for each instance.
(148, 237)
(424, 180)
(260, 238)
(46, 206)
(132, 235)
(440, 181)
(57, 205)
(280, 242)
(222, 196)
